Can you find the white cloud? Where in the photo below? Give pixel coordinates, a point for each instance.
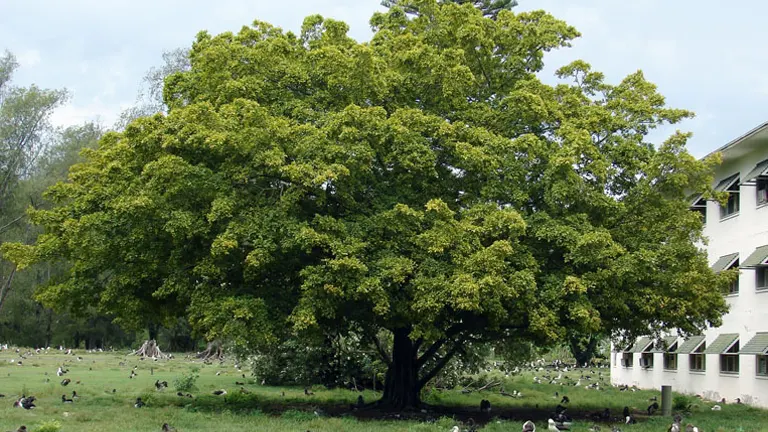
(75, 113)
(28, 58)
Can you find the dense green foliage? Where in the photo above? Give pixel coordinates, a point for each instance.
(424, 184)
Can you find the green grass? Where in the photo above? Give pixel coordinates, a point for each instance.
(265, 408)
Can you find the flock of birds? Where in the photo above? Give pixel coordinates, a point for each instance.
(554, 374)
(28, 402)
(586, 378)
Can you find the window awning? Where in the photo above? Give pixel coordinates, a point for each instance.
(722, 343)
(641, 345)
(690, 344)
(665, 344)
(695, 200)
(724, 262)
(726, 183)
(759, 170)
(756, 258)
(756, 345)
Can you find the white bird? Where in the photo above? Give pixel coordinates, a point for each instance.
(552, 427)
(691, 428)
(455, 429)
(529, 426)
(717, 408)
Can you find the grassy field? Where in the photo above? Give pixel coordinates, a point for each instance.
(99, 408)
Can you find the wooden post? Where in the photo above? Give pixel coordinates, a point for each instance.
(666, 400)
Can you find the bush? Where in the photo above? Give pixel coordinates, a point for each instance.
(186, 383)
(681, 403)
(50, 426)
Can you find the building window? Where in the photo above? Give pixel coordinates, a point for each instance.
(731, 207)
(700, 206)
(670, 358)
(762, 365)
(698, 360)
(729, 361)
(646, 360)
(626, 360)
(762, 190)
(761, 277)
(733, 288)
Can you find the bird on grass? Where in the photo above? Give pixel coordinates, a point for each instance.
(220, 392)
(65, 400)
(691, 428)
(65, 382)
(22, 428)
(717, 408)
(168, 428)
(74, 395)
(308, 392)
(138, 403)
(652, 408)
(556, 427)
(529, 426)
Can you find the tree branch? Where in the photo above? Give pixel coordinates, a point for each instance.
(380, 349)
(440, 364)
(431, 351)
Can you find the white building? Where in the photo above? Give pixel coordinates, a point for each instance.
(730, 361)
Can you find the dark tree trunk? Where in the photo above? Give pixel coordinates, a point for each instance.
(583, 348)
(153, 329)
(401, 387)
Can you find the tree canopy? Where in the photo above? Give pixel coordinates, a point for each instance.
(426, 184)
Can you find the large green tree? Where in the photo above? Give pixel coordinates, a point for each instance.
(424, 185)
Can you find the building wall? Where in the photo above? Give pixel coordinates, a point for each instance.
(748, 309)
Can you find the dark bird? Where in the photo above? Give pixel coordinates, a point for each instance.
(308, 392)
(239, 383)
(22, 428)
(565, 400)
(180, 394)
(27, 402)
(652, 408)
(65, 400)
(219, 392)
(168, 428)
(74, 395)
(138, 403)
(485, 406)
(65, 382)
(653, 399)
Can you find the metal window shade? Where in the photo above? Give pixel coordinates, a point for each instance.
(722, 343)
(688, 346)
(641, 345)
(665, 344)
(724, 262)
(756, 258)
(726, 183)
(759, 170)
(756, 345)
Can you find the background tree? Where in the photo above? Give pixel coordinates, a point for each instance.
(150, 97)
(425, 185)
(24, 128)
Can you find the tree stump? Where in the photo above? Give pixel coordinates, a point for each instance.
(213, 351)
(149, 349)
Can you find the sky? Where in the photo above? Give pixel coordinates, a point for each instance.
(706, 56)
